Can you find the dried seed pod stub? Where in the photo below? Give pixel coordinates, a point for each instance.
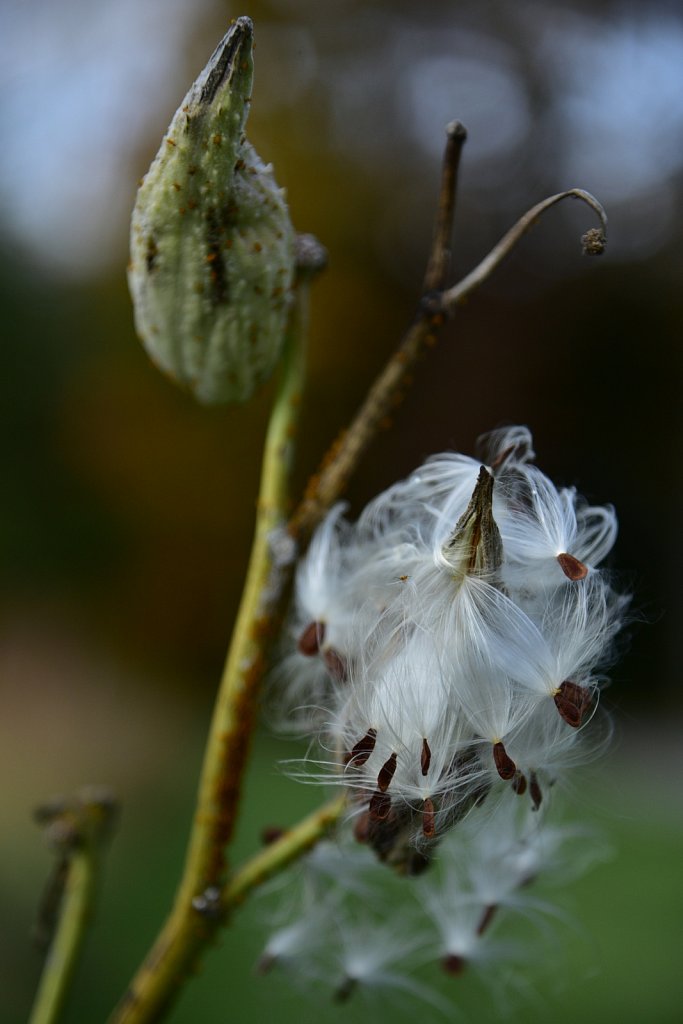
(212, 245)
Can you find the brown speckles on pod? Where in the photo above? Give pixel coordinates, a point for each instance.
(572, 568)
(428, 818)
(425, 757)
(151, 253)
(386, 773)
(505, 766)
(572, 701)
(311, 639)
(361, 751)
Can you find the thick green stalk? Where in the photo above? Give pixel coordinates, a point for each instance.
(187, 930)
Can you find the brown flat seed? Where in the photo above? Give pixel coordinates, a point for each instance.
(265, 963)
(454, 964)
(335, 663)
(379, 806)
(345, 990)
(505, 765)
(311, 639)
(535, 791)
(428, 824)
(386, 774)
(425, 757)
(572, 701)
(416, 863)
(519, 783)
(572, 567)
(361, 827)
(486, 918)
(503, 457)
(359, 754)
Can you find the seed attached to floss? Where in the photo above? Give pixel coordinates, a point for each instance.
(311, 639)
(361, 751)
(335, 663)
(266, 963)
(379, 806)
(361, 827)
(454, 964)
(572, 568)
(572, 701)
(505, 766)
(428, 819)
(535, 792)
(501, 459)
(386, 774)
(425, 758)
(519, 783)
(346, 989)
(486, 918)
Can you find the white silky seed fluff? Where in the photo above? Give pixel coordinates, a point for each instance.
(472, 623)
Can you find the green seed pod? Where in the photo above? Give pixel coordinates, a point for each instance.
(212, 245)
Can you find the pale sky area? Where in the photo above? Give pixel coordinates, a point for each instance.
(81, 96)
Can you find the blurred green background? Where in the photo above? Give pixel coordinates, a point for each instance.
(126, 514)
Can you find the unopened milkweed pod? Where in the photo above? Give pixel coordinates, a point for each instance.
(212, 245)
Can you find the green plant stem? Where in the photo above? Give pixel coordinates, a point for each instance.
(76, 828)
(62, 957)
(282, 852)
(186, 931)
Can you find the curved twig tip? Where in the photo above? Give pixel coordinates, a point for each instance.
(456, 130)
(594, 242)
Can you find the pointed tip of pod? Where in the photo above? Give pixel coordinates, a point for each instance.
(475, 545)
(230, 63)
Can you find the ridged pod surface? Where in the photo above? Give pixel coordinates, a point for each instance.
(212, 245)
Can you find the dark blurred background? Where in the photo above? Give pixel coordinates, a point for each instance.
(127, 510)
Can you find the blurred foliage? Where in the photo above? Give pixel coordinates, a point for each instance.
(127, 510)
(611, 957)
